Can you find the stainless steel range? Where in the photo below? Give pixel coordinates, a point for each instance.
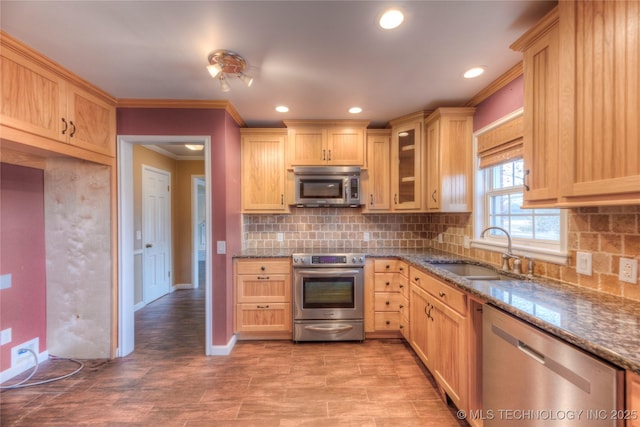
(328, 297)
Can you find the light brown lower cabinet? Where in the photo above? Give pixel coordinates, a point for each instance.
(387, 295)
(438, 324)
(633, 399)
(262, 293)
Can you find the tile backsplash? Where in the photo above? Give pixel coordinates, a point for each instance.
(608, 233)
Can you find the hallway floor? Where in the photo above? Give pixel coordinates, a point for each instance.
(168, 381)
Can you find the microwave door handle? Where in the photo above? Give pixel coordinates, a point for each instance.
(325, 273)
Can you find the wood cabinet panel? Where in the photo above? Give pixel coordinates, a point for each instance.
(271, 288)
(389, 296)
(377, 178)
(92, 122)
(406, 164)
(633, 399)
(421, 339)
(346, 146)
(271, 317)
(263, 266)
(391, 282)
(387, 321)
(263, 171)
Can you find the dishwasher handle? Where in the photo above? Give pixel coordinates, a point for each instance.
(537, 356)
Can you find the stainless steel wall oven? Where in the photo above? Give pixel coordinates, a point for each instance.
(328, 297)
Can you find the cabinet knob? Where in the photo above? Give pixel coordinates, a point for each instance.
(387, 266)
(388, 322)
(387, 283)
(263, 268)
(401, 286)
(387, 303)
(417, 279)
(401, 305)
(442, 294)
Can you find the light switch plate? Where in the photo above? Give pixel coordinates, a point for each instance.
(583, 263)
(5, 336)
(221, 247)
(5, 281)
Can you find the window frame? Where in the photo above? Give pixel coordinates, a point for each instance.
(536, 249)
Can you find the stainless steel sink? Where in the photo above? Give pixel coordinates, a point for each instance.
(471, 271)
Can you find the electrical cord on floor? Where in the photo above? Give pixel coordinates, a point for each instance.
(24, 383)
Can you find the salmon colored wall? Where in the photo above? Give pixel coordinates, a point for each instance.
(225, 191)
(505, 101)
(22, 254)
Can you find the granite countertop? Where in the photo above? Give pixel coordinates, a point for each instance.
(602, 324)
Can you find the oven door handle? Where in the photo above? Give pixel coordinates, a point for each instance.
(329, 329)
(327, 272)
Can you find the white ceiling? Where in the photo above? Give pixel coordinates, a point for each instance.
(317, 57)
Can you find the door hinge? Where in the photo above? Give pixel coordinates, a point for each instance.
(168, 190)
(168, 274)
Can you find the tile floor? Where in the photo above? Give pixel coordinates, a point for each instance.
(168, 381)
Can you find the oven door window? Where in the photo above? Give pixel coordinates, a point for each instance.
(328, 292)
(321, 189)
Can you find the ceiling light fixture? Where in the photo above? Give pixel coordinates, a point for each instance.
(355, 110)
(282, 109)
(223, 63)
(194, 147)
(391, 19)
(473, 72)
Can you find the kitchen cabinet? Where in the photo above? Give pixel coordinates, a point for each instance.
(541, 57)
(264, 176)
(449, 160)
(406, 163)
(262, 293)
(438, 325)
(391, 297)
(377, 178)
(633, 399)
(42, 99)
(319, 143)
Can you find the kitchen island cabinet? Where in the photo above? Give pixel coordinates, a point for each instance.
(262, 294)
(263, 173)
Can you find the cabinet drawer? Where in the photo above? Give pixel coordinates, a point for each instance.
(263, 317)
(271, 288)
(388, 301)
(391, 282)
(451, 297)
(390, 266)
(403, 308)
(385, 321)
(263, 266)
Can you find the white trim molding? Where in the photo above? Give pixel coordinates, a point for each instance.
(222, 350)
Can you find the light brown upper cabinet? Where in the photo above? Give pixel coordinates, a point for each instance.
(449, 157)
(406, 163)
(319, 143)
(377, 178)
(541, 58)
(584, 54)
(41, 99)
(264, 175)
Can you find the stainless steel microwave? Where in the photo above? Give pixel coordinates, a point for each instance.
(331, 186)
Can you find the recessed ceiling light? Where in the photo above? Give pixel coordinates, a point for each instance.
(194, 147)
(282, 109)
(391, 19)
(355, 110)
(473, 72)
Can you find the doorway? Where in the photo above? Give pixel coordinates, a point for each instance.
(198, 196)
(128, 258)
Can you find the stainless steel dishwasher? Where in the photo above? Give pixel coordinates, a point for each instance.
(531, 378)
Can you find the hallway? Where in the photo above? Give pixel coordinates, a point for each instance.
(169, 381)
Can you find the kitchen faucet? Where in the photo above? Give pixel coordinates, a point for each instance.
(517, 264)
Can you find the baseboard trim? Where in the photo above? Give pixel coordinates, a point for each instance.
(223, 350)
(183, 286)
(17, 370)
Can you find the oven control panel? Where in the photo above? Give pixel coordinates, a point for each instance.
(328, 260)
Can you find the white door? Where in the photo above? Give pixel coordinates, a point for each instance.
(156, 233)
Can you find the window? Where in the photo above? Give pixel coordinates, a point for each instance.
(503, 200)
(499, 196)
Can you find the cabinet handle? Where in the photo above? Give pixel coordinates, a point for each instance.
(262, 306)
(282, 199)
(66, 126)
(526, 180)
(73, 129)
(442, 294)
(263, 277)
(329, 155)
(371, 199)
(395, 199)
(433, 195)
(324, 154)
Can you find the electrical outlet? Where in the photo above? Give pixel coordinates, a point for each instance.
(280, 237)
(583, 263)
(628, 270)
(24, 359)
(365, 237)
(440, 238)
(466, 243)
